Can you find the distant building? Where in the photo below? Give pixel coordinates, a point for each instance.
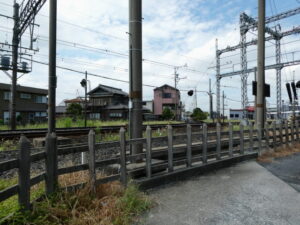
(148, 105)
(237, 114)
(108, 103)
(61, 109)
(167, 96)
(31, 104)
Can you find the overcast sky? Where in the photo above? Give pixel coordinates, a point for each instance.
(92, 37)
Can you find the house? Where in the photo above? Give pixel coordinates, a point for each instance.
(167, 96)
(108, 103)
(31, 103)
(61, 109)
(237, 114)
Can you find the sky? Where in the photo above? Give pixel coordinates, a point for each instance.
(92, 36)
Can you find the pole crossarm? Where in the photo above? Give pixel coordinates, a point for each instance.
(251, 23)
(295, 30)
(273, 66)
(28, 13)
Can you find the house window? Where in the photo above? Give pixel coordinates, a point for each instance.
(236, 115)
(231, 115)
(95, 116)
(167, 95)
(7, 95)
(25, 96)
(115, 115)
(40, 114)
(40, 99)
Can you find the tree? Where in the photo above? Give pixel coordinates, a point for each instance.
(199, 115)
(74, 109)
(167, 114)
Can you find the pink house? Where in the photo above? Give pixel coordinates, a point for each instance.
(167, 96)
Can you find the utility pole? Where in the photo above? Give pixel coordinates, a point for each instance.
(52, 65)
(136, 71)
(260, 104)
(15, 48)
(85, 100)
(211, 102)
(223, 106)
(176, 78)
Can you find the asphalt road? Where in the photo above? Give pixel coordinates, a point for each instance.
(287, 169)
(244, 194)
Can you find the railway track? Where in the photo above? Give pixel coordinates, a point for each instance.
(77, 131)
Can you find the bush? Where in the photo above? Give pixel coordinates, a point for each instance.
(75, 110)
(199, 115)
(167, 114)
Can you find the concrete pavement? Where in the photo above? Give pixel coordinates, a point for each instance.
(243, 194)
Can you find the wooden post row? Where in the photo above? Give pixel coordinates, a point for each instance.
(170, 148)
(24, 173)
(230, 139)
(148, 151)
(51, 163)
(123, 169)
(92, 158)
(204, 143)
(242, 151)
(189, 145)
(218, 129)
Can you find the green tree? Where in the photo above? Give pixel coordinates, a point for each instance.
(167, 114)
(75, 110)
(199, 115)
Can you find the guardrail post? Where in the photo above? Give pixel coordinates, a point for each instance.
(24, 173)
(230, 139)
(297, 129)
(204, 143)
(148, 151)
(286, 132)
(218, 129)
(280, 133)
(51, 163)
(267, 134)
(92, 158)
(242, 139)
(170, 148)
(123, 169)
(251, 136)
(292, 131)
(189, 145)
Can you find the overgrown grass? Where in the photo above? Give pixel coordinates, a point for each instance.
(281, 152)
(68, 123)
(8, 145)
(110, 204)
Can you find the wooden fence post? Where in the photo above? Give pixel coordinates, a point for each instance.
(123, 170)
(230, 140)
(148, 151)
(218, 141)
(189, 145)
(251, 136)
(292, 131)
(267, 134)
(170, 148)
(24, 173)
(51, 163)
(259, 134)
(297, 129)
(204, 143)
(280, 133)
(286, 132)
(92, 158)
(274, 135)
(242, 150)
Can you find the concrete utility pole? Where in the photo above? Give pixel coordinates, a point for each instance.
(136, 71)
(176, 77)
(52, 65)
(260, 104)
(223, 106)
(210, 102)
(15, 48)
(85, 100)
